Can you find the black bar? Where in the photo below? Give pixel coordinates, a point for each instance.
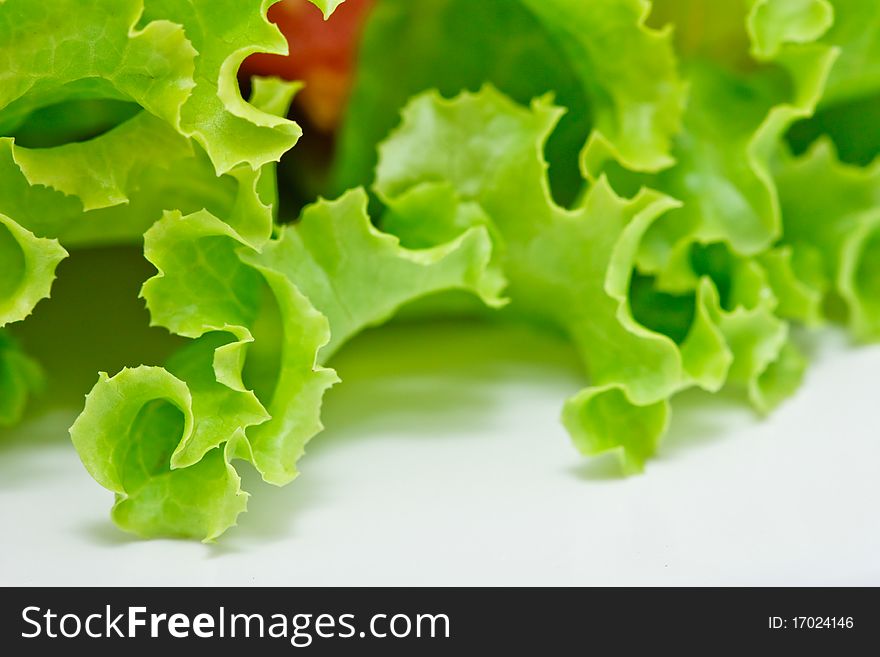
(521, 620)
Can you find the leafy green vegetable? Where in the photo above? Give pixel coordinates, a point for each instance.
(223, 33)
(674, 185)
(834, 212)
(163, 58)
(737, 113)
(126, 436)
(331, 275)
(629, 104)
(712, 252)
(569, 267)
(27, 269)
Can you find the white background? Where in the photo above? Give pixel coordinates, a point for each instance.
(444, 463)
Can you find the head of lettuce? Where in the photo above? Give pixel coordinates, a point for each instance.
(672, 194)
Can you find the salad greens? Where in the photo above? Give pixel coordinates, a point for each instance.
(674, 185)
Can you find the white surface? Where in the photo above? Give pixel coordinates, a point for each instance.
(444, 463)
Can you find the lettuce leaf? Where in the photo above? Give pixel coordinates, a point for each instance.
(330, 275)
(849, 112)
(27, 269)
(830, 191)
(223, 33)
(630, 103)
(571, 268)
(130, 427)
(739, 107)
(752, 69)
(110, 188)
(575, 269)
(832, 210)
(103, 53)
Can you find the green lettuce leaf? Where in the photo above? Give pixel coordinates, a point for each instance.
(740, 105)
(832, 210)
(576, 269)
(330, 275)
(571, 268)
(754, 68)
(850, 109)
(223, 33)
(27, 269)
(176, 59)
(130, 427)
(112, 187)
(629, 102)
(659, 221)
(162, 171)
(103, 53)
(830, 192)
(204, 292)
